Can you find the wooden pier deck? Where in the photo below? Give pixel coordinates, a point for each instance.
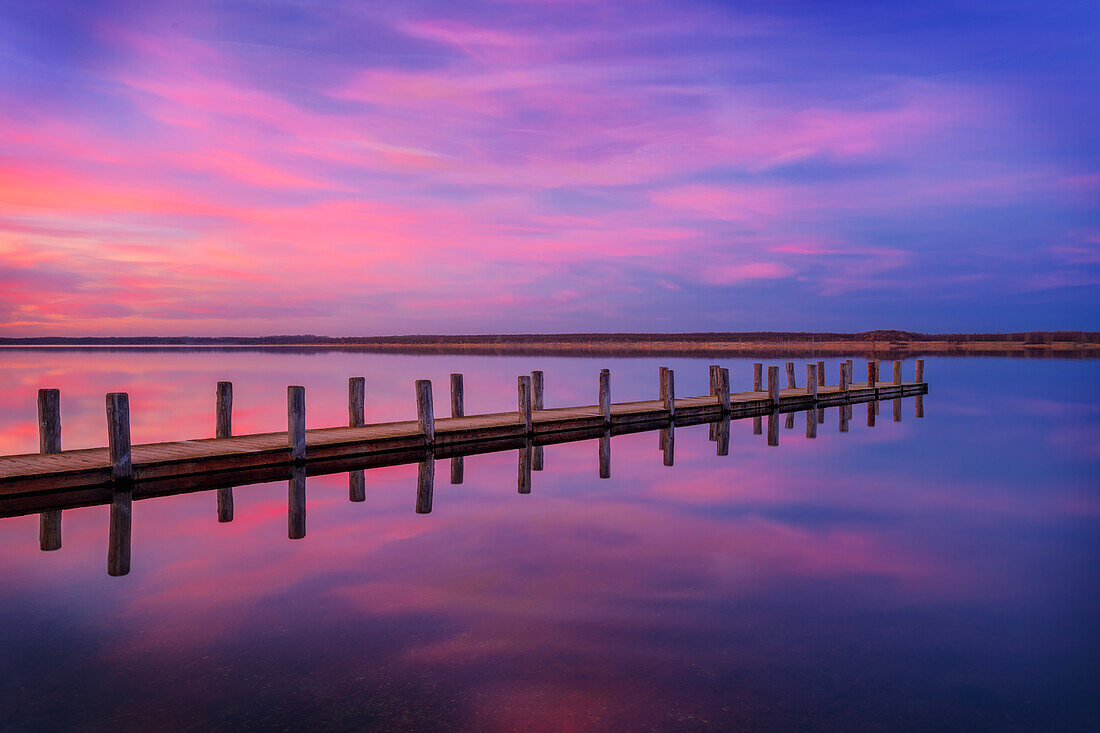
(47, 472)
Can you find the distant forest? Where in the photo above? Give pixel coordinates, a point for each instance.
(758, 337)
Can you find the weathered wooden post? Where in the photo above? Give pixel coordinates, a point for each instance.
(296, 421)
(897, 373)
(425, 414)
(714, 379)
(811, 380)
(458, 406)
(790, 375)
(850, 372)
(821, 374)
(223, 428)
(605, 454)
(49, 441)
(536, 391)
(843, 376)
(668, 392)
(918, 375)
(425, 484)
(523, 477)
(811, 423)
(357, 397)
(357, 486)
(118, 537)
(605, 395)
(118, 436)
(773, 425)
(724, 391)
(722, 436)
(523, 392)
(872, 374)
(773, 385)
(757, 377)
(296, 503)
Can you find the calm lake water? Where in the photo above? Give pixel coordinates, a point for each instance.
(929, 573)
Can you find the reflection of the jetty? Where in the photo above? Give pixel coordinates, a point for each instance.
(529, 458)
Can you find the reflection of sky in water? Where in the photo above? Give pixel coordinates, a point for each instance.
(911, 575)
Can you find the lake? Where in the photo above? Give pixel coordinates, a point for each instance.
(934, 572)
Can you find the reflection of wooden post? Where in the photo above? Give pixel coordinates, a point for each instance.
(844, 418)
(605, 454)
(757, 425)
(118, 538)
(457, 469)
(723, 436)
(871, 413)
(523, 392)
(724, 391)
(357, 397)
(821, 416)
(605, 395)
(773, 424)
(668, 392)
(789, 423)
(49, 441)
(223, 428)
(669, 443)
(118, 436)
(458, 406)
(523, 479)
(425, 484)
(536, 458)
(811, 423)
(897, 409)
(918, 405)
(357, 486)
(811, 380)
(757, 377)
(536, 391)
(296, 422)
(773, 385)
(897, 372)
(918, 375)
(296, 503)
(821, 374)
(425, 414)
(790, 375)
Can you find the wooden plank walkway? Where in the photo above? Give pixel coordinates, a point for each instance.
(91, 468)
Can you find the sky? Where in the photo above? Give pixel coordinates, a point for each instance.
(369, 168)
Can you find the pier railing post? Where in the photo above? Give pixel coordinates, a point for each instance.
(523, 391)
(118, 436)
(458, 404)
(357, 394)
(811, 380)
(773, 385)
(425, 415)
(223, 410)
(790, 375)
(724, 391)
(49, 441)
(918, 374)
(605, 395)
(757, 377)
(296, 421)
(537, 391)
(897, 373)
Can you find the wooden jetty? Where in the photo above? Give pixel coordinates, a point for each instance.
(55, 479)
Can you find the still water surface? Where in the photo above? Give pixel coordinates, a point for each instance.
(934, 572)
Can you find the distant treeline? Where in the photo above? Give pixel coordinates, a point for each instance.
(757, 337)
